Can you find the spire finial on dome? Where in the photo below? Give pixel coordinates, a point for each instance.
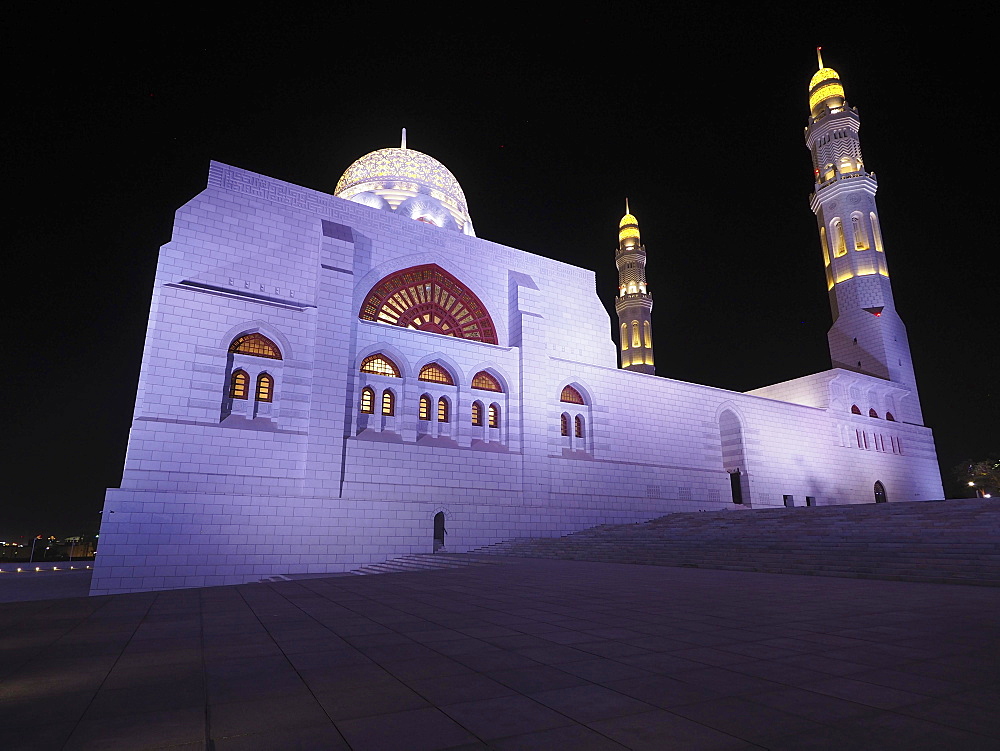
(402, 144)
(819, 56)
(626, 206)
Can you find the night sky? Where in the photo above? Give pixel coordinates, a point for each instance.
(548, 123)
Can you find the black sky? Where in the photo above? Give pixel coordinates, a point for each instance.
(548, 122)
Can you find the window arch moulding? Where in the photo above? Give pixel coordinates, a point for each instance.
(428, 298)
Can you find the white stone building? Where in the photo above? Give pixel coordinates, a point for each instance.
(327, 382)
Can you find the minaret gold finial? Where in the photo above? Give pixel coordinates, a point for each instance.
(819, 56)
(403, 144)
(626, 207)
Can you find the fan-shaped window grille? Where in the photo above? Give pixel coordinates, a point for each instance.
(428, 298)
(486, 382)
(436, 374)
(494, 416)
(477, 413)
(367, 400)
(571, 395)
(265, 388)
(257, 345)
(239, 385)
(379, 365)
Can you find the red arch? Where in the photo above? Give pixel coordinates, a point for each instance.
(428, 298)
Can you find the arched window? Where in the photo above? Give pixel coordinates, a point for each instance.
(571, 395)
(257, 345)
(388, 403)
(442, 410)
(636, 342)
(872, 412)
(265, 388)
(477, 413)
(379, 365)
(839, 244)
(494, 415)
(876, 231)
(428, 298)
(647, 334)
(578, 426)
(239, 385)
(435, 374)
(367, 400)
(424, 407)
(889, 417)
(860, 238)
(855, 410)
(564, 424)
(624, 337)
(486, 382)
(826, 249)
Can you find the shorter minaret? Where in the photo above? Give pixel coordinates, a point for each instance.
(634, 303)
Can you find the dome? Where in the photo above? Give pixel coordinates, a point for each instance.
(628, 227)
(400, 174)
(823, 74)
(824, 86)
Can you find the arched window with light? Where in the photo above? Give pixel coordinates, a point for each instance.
(368, 400)
(239, 385)
(265, 388)
(494, 416)
(388, 403)
(443, 410)
(424, 407)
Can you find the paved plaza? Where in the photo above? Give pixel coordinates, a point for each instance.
(518, 654)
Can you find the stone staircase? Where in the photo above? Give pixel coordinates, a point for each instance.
(423, 562)
(954, 542)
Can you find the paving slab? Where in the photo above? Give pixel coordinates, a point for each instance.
(523, 654)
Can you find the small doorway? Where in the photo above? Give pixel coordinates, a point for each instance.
(737, 488)
(880, 493)
(439, 531)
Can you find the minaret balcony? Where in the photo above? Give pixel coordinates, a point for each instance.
(634, 300)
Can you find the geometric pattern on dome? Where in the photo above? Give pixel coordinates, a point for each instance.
(428, 298)
(824, 74)
(255, 344)
(407, 168)
(824, 92)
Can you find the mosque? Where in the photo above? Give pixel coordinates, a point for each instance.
(333, 380)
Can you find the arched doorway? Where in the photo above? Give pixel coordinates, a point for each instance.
(880, 493)
(439, 531)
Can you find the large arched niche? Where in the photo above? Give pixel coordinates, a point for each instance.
(428, 298)
(733, 445)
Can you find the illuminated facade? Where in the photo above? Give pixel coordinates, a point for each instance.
(333, 380)
(633, 304)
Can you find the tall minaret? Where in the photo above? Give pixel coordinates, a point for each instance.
(867, 335)
(634, 303)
